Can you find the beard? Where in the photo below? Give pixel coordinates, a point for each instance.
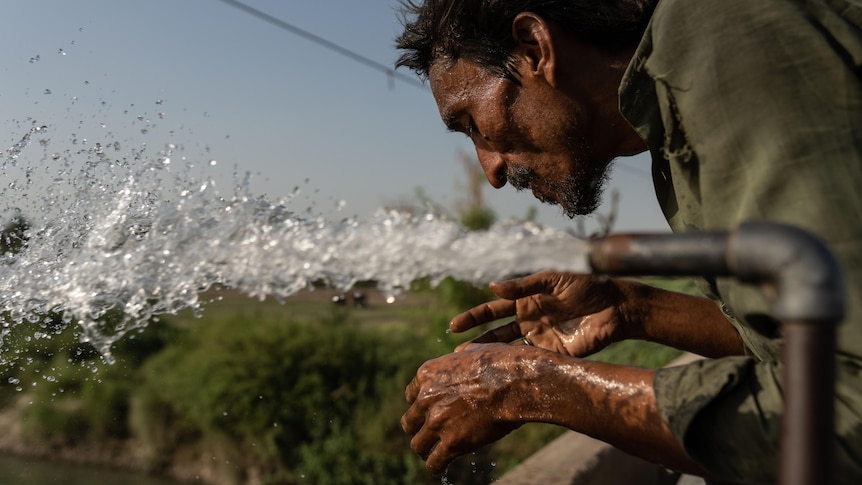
(578, 194)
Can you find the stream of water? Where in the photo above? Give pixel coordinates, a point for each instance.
(144, 232)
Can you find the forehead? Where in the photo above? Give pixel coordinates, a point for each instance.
(457, 85)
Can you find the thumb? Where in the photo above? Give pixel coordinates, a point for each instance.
(513, 289)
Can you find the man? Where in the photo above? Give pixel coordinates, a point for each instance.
(751, 110)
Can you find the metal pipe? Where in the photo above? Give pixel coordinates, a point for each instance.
(798, 273)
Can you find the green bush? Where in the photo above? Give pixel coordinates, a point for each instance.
(299, 392)
(55, 423)
(106, 405)
(75, 396)
(478, 218)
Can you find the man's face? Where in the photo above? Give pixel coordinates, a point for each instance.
(529, 135)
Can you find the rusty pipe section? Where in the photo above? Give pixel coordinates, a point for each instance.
(803, 281)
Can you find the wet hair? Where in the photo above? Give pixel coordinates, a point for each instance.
(481, 30)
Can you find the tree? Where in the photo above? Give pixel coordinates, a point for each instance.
(472, 211)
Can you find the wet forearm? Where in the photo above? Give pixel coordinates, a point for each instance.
(612, 403)
(686, 322)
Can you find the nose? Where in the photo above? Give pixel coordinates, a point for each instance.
(494, 167)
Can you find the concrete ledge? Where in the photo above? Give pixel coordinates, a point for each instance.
(577, 459)
(574, 458)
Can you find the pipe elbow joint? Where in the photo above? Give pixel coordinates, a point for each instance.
(803, 276)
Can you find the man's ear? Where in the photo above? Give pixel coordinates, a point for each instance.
(534, 46)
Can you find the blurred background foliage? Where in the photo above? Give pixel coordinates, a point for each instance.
(309, 390)
(303, 391)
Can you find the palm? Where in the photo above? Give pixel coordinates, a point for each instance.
(567, 313)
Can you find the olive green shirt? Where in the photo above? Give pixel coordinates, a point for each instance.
(753, 111)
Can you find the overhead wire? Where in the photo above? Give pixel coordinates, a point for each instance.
(389, 71)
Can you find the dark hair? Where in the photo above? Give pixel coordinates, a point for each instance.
(481, 30)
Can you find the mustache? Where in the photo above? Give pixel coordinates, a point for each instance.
(578, 194)
(520, 177)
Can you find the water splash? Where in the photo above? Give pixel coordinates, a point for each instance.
(144, 234)
(13, 152)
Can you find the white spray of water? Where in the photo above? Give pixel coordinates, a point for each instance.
(142, 234)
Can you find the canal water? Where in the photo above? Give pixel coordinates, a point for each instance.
(25, 471)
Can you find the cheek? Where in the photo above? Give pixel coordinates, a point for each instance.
(549, 140)
(543, 127)
(555, 167)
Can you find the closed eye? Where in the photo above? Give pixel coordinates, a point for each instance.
(455, 125)
(472, 129)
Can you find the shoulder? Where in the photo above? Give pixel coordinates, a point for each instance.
(682, 29)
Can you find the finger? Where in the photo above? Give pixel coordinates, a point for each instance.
(503, 334)
(543, 282)
(412, 421)
(465, 346)
(438, 460)
(412, 391)
(485, 313)
(423, 442)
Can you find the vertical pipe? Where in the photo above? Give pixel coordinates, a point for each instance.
(807, 426)
(808, 291)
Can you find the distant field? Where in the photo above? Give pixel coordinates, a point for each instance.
(317, 305)
(410, 308)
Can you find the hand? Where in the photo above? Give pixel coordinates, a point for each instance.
(572, 314)
(462, 401)
(465, 400)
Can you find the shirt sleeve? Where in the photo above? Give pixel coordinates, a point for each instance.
(762, 107)
(726, 413)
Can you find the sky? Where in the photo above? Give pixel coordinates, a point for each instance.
(229, 87)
